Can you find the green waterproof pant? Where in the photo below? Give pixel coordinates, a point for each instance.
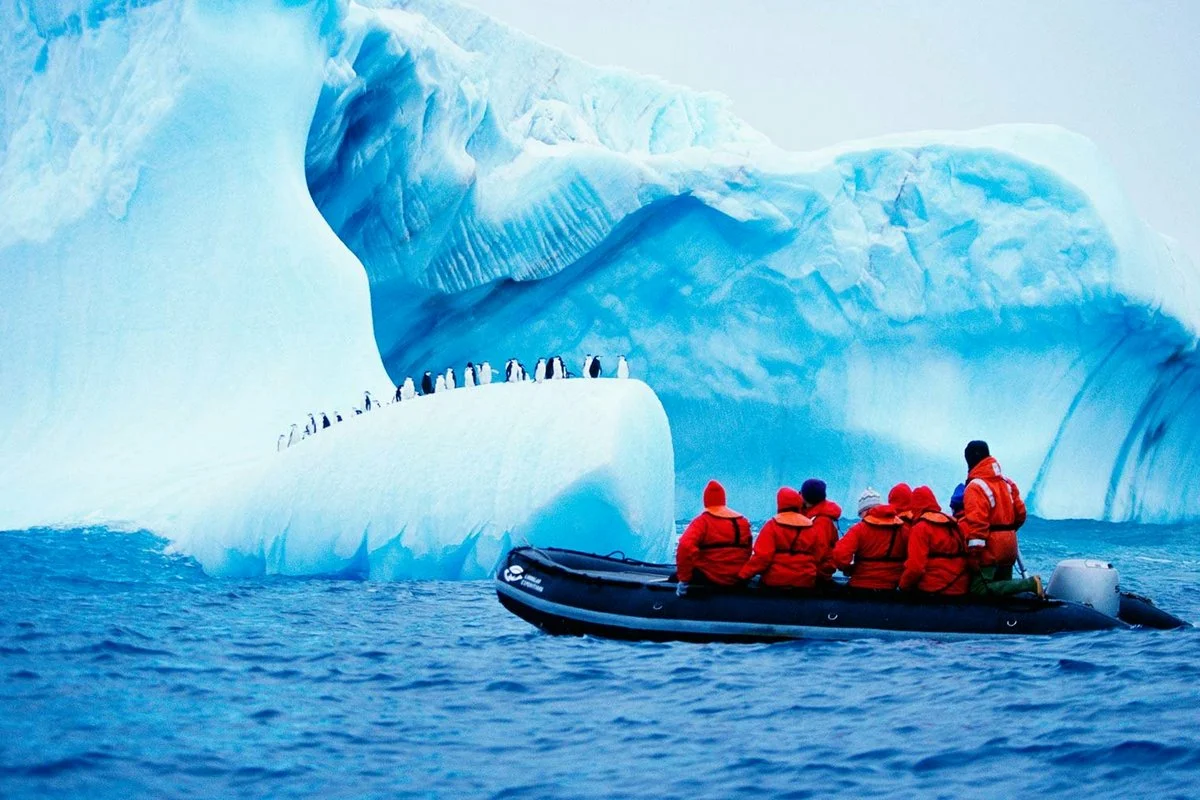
(998, 580)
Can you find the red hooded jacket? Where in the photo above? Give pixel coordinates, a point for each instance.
(900, 498)
(937, 549)
(789, 551)
(992, 512)
(872, 552)
(825, 516)
(716, 543)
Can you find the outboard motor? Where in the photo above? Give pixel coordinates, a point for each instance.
(1087, 581)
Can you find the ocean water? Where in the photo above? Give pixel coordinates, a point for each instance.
(125, 673)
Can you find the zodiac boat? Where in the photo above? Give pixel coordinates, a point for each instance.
(573, 593)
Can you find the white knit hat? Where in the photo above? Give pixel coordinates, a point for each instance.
(868, 500)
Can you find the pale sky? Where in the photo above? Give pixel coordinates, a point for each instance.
(810, 73)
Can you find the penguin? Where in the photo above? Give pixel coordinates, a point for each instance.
(357, 411)
(339, 416)
(539, 370)
(409, 390)
(522, 373)
(587, 366)
(427, 383)
(440, 385)
(366, 401)
(399, 396)
(485, 374)
(622, 367)
(469, 375)
(282, 443)
(312, 423)
(292, 439)
(325, 423)
(450, 382)
(560, 369)
(594, 369)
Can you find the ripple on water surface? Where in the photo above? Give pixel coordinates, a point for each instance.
(124, 671)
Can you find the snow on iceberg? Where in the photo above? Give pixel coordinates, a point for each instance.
(857, 313)
(442, 486)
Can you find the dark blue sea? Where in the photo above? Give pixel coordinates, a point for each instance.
(125, 672)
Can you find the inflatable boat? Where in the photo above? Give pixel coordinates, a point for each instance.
(573, 593)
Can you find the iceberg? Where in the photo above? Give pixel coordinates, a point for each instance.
(218, 218)
(857, 313)
(442, 486)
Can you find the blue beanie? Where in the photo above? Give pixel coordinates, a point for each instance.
(813, 491)
(956, 499)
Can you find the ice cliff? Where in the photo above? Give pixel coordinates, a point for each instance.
(858, 313)
(216, 217)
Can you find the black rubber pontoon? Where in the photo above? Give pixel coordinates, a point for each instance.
(573, 593)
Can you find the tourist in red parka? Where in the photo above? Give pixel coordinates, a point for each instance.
(872, 552)
(824, 513)
(937, 550)
(900, 498)
(992, 512)
(789, 551)
(715, 545)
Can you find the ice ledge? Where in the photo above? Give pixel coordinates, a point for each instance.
(441, 486)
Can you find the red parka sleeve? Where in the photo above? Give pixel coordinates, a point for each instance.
(918, 557)
(689, 548)
(844, 550)
(976, 519)
(1019, 513)
(764, 552)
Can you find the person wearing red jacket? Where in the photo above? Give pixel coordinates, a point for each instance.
(824, 513)
(993, 511)
(937, 551)
(715, 545)
(872, 552)
(790, 551)
(900, 498)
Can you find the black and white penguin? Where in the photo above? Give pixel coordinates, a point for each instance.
(282, 443)
(587, 366)
(357, 411)
(312, 424)
(399, 395)
(450, 382)
(366, 401)
(622, 367)
(510, 371)
(539, 370)
(594, 369)
(485, 374)
(293, 437)
(427, 383)
(469, 375)
(560, 369)
(325, 423)
(440, 384)
(409, 390)
(339, 417)
(522, 373)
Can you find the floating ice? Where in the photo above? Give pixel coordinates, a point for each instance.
(442, 486)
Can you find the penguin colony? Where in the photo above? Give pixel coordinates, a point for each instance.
(546, 369)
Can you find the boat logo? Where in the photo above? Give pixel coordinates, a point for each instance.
(514, 573)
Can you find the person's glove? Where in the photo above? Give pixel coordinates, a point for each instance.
(681, 588)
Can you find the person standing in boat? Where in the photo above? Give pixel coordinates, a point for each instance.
(715, 545)
(993, 511)
(790, 551)
(937, 550)
(956, 501)
(872, 552)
